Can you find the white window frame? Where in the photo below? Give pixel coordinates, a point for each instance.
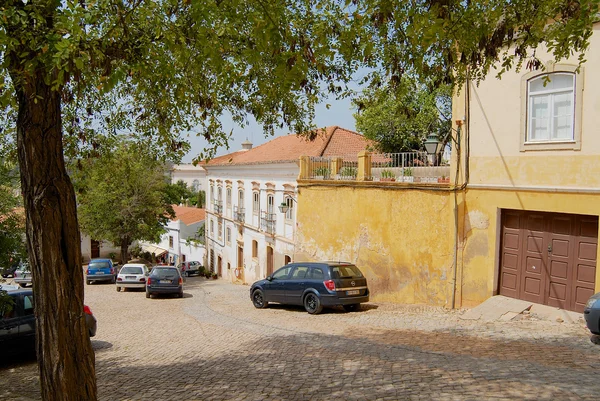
(557, 144)
(255, 202)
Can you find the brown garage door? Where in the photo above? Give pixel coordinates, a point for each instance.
(548, 258)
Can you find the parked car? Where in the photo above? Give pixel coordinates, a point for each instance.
(132, 275)
(100, 270)
(164, 280)
(17, 323)
(189, 268)
(314, 285)
(9, 271)
(22, 275)
(591, 313)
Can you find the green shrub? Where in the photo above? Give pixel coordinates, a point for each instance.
(348, 171)
(387, 174)
(321, 171)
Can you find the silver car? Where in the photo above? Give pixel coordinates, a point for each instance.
(132, 275)
(22, 275)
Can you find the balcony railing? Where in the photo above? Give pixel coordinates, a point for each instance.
(268, 222)
(239, 214)
(218, 207)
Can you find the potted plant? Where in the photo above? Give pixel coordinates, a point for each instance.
(387, 175)
(443, 180)
(348, 173)
(321, 173)
(407, 175)
(215, 276)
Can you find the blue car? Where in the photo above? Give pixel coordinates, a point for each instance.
(591, 313)
(100, 270)
(314, 285)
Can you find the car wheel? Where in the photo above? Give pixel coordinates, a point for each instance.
(118, 289)
(147, 294)
(351, 308)
(88, 282)
(258, 299)
(180, 295)
(312, 304)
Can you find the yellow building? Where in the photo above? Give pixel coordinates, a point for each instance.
(519, 218)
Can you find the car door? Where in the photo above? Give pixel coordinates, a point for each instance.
(275, 287)
(296, 284)
(27, 321)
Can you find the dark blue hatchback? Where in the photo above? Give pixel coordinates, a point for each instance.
(314, 285)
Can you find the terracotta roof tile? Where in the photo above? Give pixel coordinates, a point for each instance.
(188, 215)
(327, 142)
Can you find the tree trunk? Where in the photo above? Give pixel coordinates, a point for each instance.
(124, 250)
(65, 355)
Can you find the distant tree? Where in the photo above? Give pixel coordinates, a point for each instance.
(122, 196)
(179, 192)
(12, 217)
(399, 117)
(201, 199)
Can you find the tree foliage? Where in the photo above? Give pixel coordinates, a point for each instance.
(180, 192)
(400, 118)
(123, 196)
(12, 219)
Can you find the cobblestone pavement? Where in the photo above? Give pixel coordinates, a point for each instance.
(213, 345)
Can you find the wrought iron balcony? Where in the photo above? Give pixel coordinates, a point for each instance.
(218, 207)
(268, 222)
(239, 214)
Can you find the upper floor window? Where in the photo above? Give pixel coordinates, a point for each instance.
(170, 241)
(289, 215)
(270, 204)
(254, 249)
(228, 235)
(551, 108)
(212, 228)
(256, 202)
(228, 197)
(220, 232)
(241, 198)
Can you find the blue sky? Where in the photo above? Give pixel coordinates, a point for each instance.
(340, 113)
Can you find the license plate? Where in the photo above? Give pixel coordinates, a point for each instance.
(99, 273)
(165, 281)
(353, 292)
(130, 277)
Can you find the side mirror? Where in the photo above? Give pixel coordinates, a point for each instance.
(269, 278)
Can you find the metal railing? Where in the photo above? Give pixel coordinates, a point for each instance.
(268, 222)
(239, 214)
(218, 207)
(407, 167)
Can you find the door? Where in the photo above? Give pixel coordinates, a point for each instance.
(269, 260)
(296, 285)
(275, 288)
(220, 266)
(548, 258)
(95, 246)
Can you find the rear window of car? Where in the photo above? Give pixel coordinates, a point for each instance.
(345, 271)
(131, 270)
(161, 272)
(98, 265)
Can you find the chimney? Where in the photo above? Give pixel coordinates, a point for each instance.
(246, 145)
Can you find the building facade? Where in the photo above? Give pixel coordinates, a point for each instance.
(193, 176)
(248, 236)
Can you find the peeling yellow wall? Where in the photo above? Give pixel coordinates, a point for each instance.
(479, 242)
(402, 240)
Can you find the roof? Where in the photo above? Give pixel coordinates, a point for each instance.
(188, 215)
(328, 141)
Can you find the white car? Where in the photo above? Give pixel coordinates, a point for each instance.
(132, 275)
(22, 275)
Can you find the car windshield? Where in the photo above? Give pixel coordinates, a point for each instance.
(98, 265)
(162, 272)
(346, 271)
(132, 270)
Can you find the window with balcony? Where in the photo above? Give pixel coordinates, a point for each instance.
(239, 212)
(220, 229)
(171, 241)
(289, 215)
(228, 198)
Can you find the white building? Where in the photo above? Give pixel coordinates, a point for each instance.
(247, 237)
(91, 249)
(179, 243)
(193, 176)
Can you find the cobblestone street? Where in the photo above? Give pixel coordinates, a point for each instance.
(214, 345)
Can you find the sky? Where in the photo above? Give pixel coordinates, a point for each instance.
(340, 114)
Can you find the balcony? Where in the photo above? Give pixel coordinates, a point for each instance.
(268, 222)
(239, 214)
(218, 207)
